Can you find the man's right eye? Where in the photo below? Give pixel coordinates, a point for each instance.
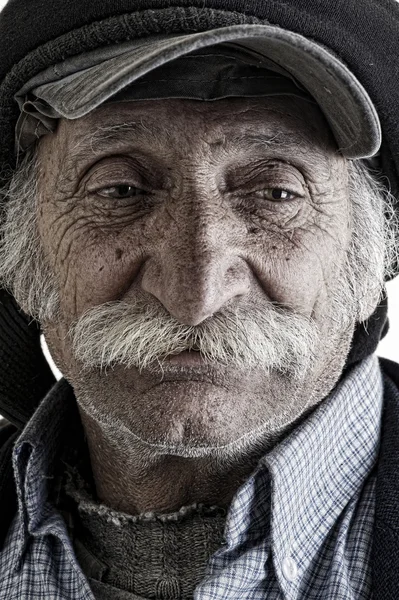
(121, 191)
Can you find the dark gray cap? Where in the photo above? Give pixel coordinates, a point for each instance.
(288, 63)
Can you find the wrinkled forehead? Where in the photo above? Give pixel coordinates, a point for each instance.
(283, 123)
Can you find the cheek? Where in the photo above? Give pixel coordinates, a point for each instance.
(104, 273)
(107, 270)
(293, 279)
(299, 269)
(93, 264)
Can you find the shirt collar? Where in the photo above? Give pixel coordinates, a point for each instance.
(321, 465)
(35, 453)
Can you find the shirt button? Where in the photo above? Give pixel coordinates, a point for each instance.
(290, 570)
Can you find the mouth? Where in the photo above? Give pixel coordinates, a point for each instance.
(189, 365)
(186, 358)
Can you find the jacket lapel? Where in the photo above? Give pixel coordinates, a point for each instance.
(385, 548)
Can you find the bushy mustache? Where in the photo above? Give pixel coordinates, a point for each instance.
(139, 333)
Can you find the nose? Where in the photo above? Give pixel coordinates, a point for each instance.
(195, 270)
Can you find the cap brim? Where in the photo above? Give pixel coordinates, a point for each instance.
(344, 101)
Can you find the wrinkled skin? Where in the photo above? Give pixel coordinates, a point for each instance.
(203, 242)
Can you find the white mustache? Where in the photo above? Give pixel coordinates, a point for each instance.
(138, 333)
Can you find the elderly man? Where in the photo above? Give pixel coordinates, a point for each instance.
(195, 218)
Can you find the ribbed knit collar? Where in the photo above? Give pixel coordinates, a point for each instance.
(149, 555)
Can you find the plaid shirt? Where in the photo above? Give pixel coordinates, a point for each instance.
(300, 527)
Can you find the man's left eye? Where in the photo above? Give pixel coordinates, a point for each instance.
(275, 194)
(121, 191)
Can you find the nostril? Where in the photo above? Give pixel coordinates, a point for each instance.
(233, 272)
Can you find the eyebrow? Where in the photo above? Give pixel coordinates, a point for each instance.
(133, 133)
(101, 139)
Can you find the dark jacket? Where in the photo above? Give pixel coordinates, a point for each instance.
(385, 551)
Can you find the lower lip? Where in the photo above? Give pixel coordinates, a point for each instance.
(185, 358)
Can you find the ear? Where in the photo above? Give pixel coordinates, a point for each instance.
(369, 303)
(368, 334)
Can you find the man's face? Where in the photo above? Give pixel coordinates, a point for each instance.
(192, 208)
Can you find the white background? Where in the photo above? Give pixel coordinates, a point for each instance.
(389, 347)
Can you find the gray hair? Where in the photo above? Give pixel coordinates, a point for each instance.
(24, 268)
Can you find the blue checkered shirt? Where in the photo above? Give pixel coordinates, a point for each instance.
(299, 528)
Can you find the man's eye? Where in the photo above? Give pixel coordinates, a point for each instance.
(121, 191)
(275, 194)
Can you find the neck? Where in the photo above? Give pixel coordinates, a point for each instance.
(133, 478)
